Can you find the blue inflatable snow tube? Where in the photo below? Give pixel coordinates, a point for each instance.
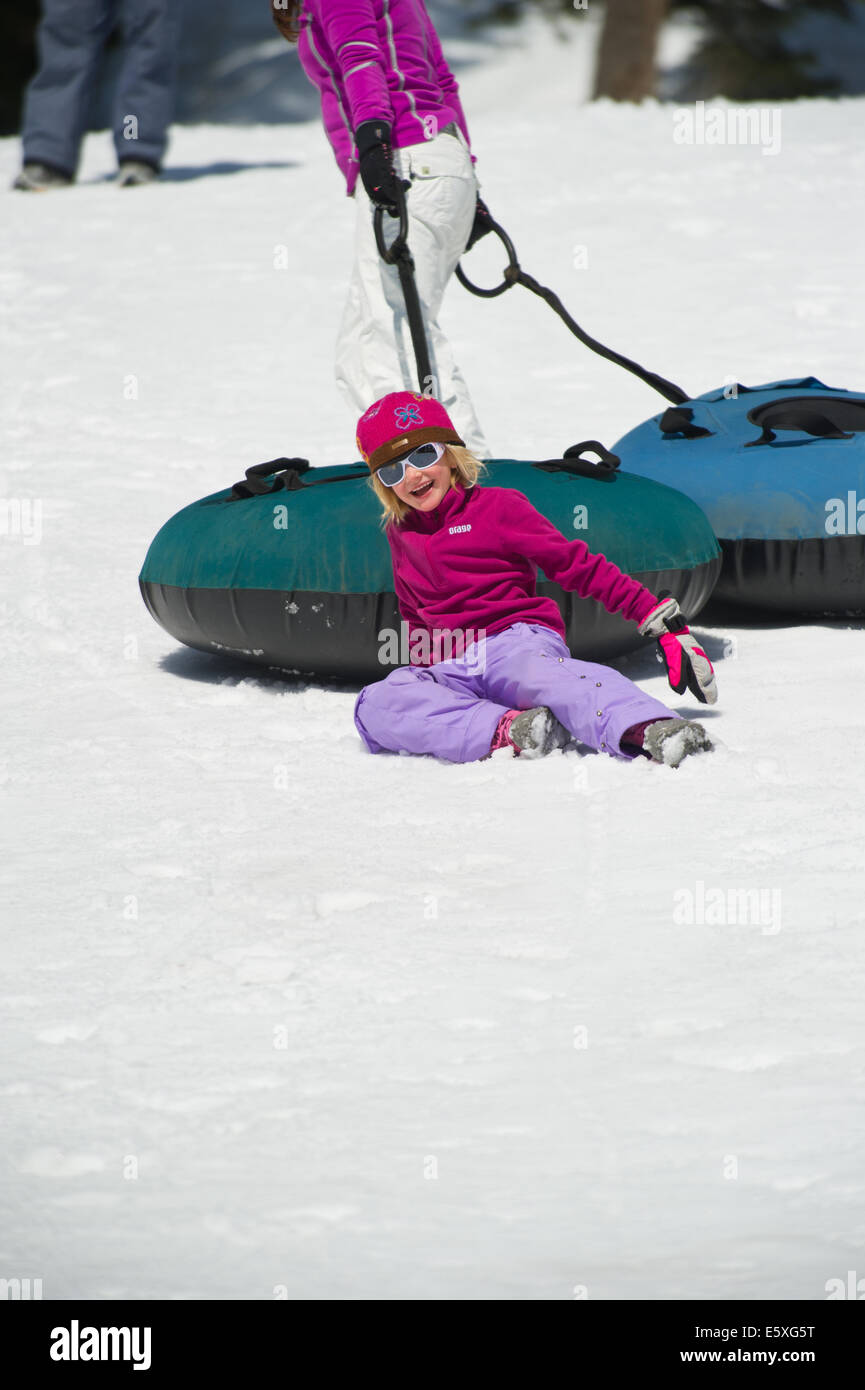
(779, 471)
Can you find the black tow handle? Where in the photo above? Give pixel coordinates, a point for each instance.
(398, 254)
(513, 274)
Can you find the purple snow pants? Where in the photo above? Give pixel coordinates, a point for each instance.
(451, 709)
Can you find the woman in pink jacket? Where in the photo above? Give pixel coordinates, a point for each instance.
(392, 113)
(465, 560)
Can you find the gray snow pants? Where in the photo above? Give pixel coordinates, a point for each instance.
(71, 37)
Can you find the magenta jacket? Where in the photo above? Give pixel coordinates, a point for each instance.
(471, 563)
(372, 59)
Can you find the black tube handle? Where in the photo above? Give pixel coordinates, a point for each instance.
(679, 419)
(267, 477)
(573, 462)
(605, 455)
(790, 416)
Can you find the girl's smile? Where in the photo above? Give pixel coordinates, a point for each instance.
(424, 488)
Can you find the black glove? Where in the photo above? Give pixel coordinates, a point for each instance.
(375, 153)
(481, 225)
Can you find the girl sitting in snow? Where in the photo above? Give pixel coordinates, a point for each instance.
(465, 559)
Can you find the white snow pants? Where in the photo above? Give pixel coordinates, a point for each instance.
(374, 351)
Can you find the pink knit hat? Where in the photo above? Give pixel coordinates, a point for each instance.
(398, 423)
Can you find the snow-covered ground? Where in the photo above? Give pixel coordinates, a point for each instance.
(282, 1017)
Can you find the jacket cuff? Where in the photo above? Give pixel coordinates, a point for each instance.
(654, 623)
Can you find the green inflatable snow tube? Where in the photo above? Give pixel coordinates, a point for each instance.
(291, 568)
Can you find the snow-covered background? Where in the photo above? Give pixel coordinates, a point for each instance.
(282, 1016)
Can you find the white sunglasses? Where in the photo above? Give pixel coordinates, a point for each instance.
(424, 456)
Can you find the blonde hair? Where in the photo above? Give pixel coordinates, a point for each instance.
(465, 469)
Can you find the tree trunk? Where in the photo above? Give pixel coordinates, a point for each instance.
(626, 56)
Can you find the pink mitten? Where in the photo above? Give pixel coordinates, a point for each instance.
(687, 663)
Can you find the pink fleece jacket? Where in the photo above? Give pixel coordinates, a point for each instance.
(374, 59)
(471, 563)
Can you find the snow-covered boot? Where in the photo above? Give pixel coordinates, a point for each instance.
(39, 178)
(134, 172)
(533, 732)
(670, 740)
